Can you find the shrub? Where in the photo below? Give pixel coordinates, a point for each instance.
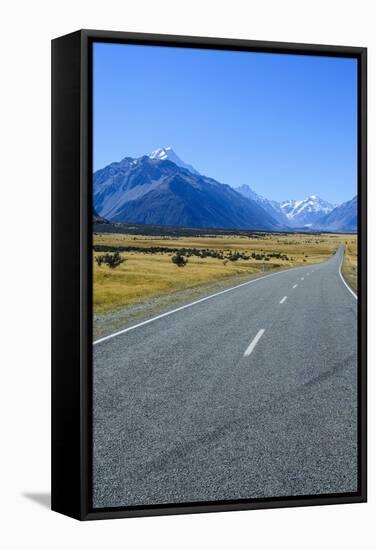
(179, 260)
(234, 257)
(112, 260)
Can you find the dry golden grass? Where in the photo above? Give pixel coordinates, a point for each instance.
(144, 276)
(350, 263)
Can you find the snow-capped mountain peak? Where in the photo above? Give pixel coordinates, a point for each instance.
(167, 153)
(293, 213)
(306, 211)
(162, 153)
(156, 191)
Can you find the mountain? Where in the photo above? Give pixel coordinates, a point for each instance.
(158, 191)
(312, 212)
(291, 213)
(343, 218)
(307, 212)
(272, 207)
(167, 153)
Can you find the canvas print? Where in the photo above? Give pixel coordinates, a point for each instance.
(225, 254)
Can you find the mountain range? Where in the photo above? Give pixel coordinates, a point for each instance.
(161, 189)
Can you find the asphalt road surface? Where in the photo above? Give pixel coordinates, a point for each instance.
(251, 393)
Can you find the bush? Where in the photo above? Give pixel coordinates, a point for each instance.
(179, 260)
(112, 260)
(234, 257)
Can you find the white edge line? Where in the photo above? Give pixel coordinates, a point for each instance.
(283, 300)
(343, 280)
(253, 344)
(123, 331)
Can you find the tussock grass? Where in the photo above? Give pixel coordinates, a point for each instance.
(145, 276)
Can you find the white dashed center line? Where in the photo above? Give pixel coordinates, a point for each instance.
(253, 344)
(302, 278)
(295, 286)
(283, 299)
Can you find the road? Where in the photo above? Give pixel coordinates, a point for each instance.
(251, 393)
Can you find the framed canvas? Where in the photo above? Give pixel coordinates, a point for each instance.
(208, 274)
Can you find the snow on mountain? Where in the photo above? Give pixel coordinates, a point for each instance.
(306, 212)
(167, 153)
(293, 213)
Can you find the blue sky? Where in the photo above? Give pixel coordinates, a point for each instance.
(284, 124)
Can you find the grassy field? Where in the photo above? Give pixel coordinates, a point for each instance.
(148, 271)
(350, 263)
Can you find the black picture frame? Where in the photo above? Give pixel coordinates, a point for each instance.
(72, 277)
